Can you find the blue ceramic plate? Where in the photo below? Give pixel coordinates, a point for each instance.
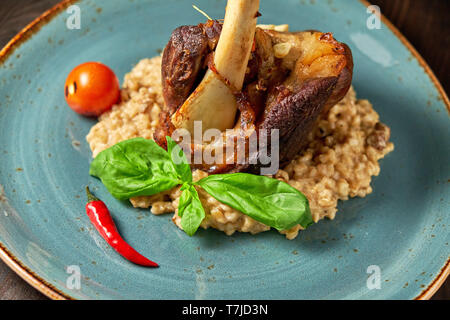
(402, 227)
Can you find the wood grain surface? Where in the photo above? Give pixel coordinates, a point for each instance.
(424, 22)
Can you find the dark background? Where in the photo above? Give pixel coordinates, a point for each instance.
(425, 23)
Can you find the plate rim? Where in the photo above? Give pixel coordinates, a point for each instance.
(53, 293)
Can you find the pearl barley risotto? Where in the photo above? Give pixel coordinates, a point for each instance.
(339, 162)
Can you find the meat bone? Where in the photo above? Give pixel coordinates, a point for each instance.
(213, 102)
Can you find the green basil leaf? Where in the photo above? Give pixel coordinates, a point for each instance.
(190, 209)
(135, 167)
(270, 201)
(179, 160)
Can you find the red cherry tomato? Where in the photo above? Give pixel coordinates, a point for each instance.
(91, 89)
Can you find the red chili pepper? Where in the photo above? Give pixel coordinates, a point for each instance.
(100, 217)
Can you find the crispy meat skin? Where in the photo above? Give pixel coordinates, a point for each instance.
(294, 115)
(183, 60)
(287, 93)
(184, 63)
(166, 128)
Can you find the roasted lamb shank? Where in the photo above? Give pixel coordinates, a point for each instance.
(251, 80)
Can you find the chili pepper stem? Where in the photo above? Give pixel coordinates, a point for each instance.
(90, 196)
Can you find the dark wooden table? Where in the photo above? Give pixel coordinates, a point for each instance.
(424, 22)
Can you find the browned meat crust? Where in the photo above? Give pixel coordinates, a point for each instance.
(183, 60)
(295, 113)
